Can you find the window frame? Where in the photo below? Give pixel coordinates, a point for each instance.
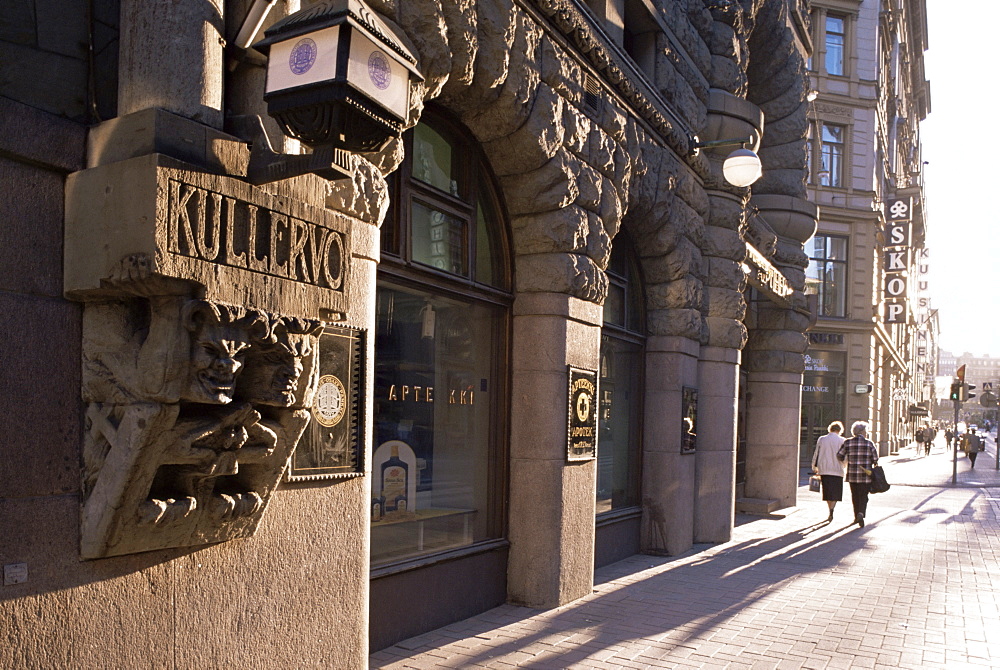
(827, 261)
(811, 152)
(403, 192)
(634, 293)
(827, 34)
(819, 150)
(837, 171)
(398, 269)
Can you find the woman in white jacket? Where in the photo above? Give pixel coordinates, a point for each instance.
(830, 468)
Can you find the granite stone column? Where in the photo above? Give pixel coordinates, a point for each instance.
(668, 476)
(171, 57)
(245, 80)
(774, 355)
(715, 481)
(774, 394)
(552, 501)
(773, 407)
(724, 250)
(718, 368)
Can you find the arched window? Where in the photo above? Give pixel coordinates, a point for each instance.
(442, 332)
(619, 446)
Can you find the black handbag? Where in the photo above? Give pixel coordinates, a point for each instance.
(878, 483)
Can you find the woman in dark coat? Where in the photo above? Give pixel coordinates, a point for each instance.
(861, 456)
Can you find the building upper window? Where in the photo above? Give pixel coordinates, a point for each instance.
(835, 27)
(631, 25)
(826, 275)
(443, 210)
(831, 168)
(825, 156)
(640, 34)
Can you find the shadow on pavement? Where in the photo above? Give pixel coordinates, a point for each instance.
(676, 601)
(693, 594)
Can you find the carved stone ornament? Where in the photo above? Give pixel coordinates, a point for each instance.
(573, 23)
(193, 409)
(242, 244)
(197, 382)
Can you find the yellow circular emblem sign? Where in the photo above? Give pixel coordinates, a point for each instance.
(330, 403)
(583, 407)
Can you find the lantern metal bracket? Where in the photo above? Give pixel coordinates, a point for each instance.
(267, 165)
(697, 145)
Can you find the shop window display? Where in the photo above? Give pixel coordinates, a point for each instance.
(442, 321)
(434, 390)
(620, 385)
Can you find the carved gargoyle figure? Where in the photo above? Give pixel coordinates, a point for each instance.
(276, 372)
(220, 337)
(194, 408)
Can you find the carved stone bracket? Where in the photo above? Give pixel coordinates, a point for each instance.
(193, 409)
(197, 380)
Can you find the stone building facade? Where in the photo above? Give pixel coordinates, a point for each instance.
(871, 354)
(282, 424)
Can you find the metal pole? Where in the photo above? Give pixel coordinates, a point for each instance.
(954, 453)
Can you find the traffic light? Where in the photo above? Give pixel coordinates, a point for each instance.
(960, 391)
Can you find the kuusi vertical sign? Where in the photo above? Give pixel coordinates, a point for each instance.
(922, 260)
(895, 268)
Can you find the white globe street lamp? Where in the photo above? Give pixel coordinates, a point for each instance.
(742, 167)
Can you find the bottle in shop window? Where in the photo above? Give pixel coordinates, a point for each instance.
(395, 482)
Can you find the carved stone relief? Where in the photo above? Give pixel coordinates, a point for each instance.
(193, 408)
(197, 382)
(242, 244)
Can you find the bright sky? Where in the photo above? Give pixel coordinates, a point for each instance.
(963, 229)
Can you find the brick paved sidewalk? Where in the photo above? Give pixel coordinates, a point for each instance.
(918, 587)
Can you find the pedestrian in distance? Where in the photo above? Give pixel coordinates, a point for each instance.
(948, 436)
(921, 433)
(972, 445)
(861, 457)
(829, 466)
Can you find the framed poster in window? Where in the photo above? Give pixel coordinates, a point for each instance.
(582, 411)
(689, 420)
(330, 447)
